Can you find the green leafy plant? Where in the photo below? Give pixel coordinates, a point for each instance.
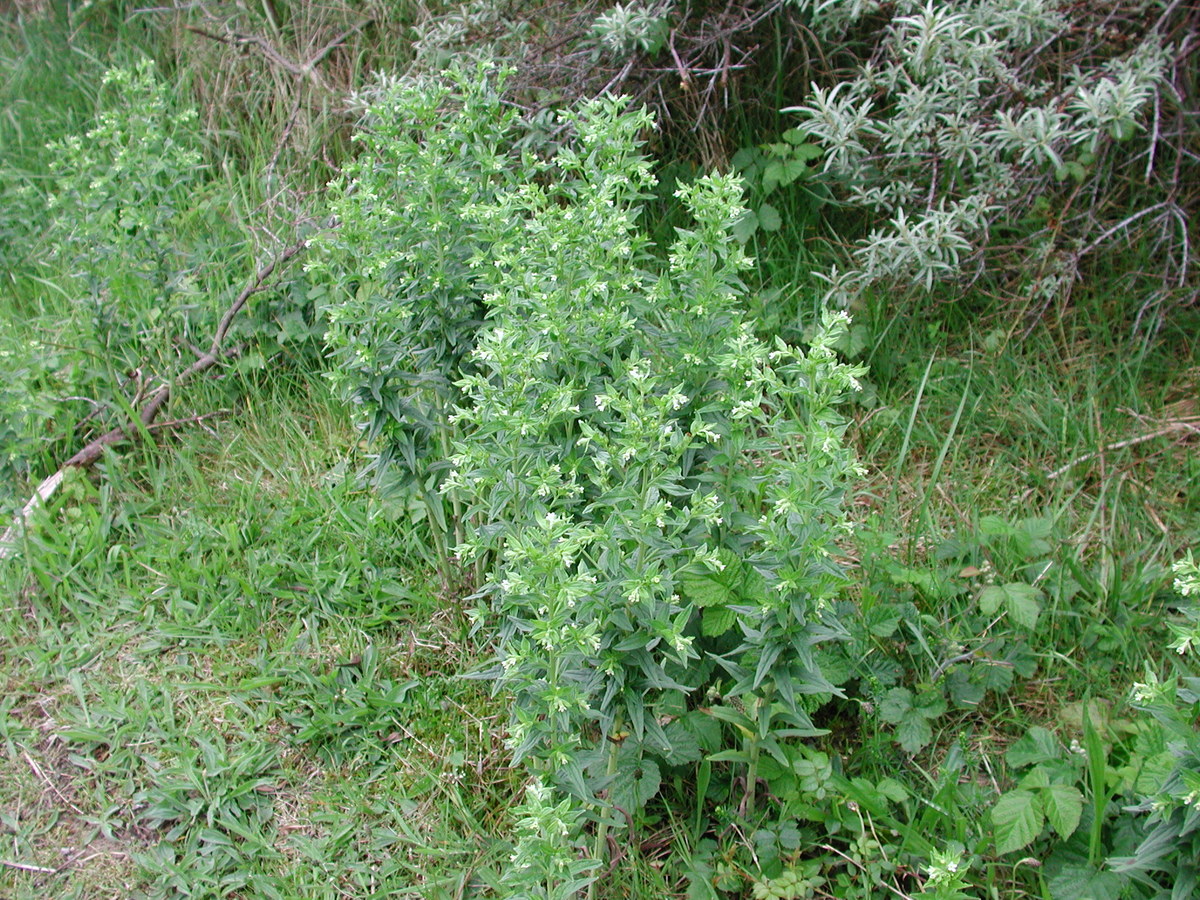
(767, 168)
(622, 444)
(1168, 854)
(1045, 795)
(353, 712)
(397, 288)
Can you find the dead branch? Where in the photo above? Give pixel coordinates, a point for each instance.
(153, 405)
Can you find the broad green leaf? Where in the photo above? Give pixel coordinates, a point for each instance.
(1020, 600)
(683, 746)
(711, 588)
(1037, 746)
(716, 620)
(1063, 804)
(1083, 882)
(893, 790)
(930, 704)
(769, 218)
(772, 176)
(744, 158)
(896, 705)
(882, 621)
(1017, 819)
(913, 733)
(635, 784)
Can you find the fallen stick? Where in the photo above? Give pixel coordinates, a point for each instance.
(26, 867)
(1188, 426)
(152, 406)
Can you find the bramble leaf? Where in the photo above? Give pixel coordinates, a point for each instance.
(1018, 819)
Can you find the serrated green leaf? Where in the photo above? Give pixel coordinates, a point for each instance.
(635, 784)
(896, 705)
(963, 691)
(1017, 819)
(929, 704)
(709, 588)
(882, 621)
(913, 733)
(744, 158)
(716, 620)
(1021, 601)
(1037, 746)
(807, 152)
(1038, 777)
(683, 746)
(893, 790)
(1063, 805)
(772, 176)
(1083, 882)
(769, 218)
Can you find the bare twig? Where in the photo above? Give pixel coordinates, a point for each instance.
(26, 867)
(1187, 426)
(1170, 428)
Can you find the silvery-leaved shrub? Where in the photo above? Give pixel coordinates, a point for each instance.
(1008, 138)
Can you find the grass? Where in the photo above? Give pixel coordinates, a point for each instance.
(228, 671)
(220, 659)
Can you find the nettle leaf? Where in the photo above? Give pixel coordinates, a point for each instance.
(882, 621)
(1084, 882)
(682, 744)
(1021, 601)
(1017, 819)
(635, 784)
(913, 733)
(963, 691)
(930, 704)
(1063, 805)
(707, 588)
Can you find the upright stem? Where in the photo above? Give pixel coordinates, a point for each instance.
(614, 748)
(751, 743)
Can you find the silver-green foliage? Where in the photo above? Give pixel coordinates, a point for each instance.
(629, 28)
(961, 123)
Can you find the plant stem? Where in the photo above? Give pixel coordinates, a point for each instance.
(614, 748)
(751, 744)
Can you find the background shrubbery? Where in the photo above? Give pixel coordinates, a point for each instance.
(648, 571)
